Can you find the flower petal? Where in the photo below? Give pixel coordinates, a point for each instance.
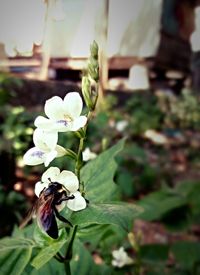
(60, 151)
(73, 105)
(39, 186)
(45, 141)
(34, 156)
(54, 108)
(62, 125)
(44, 123)
(78, 203)
(49, 157)
(88, 155)
(51, 173)
(78, 123)
(69, 180)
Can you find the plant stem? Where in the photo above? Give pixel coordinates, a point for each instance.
(68, 255)
(58, 258)
(67, 268)
(79, 161)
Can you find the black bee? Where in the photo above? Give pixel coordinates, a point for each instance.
(45, 208)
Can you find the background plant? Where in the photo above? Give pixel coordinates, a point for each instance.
(34, 249)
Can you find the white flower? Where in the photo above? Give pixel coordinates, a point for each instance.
(45, 150)
(121, 258)
(121, 125)
(69, 180)
(63, 115)
(157, 138)
(88, 155)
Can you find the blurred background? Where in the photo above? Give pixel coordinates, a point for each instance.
(149, 54)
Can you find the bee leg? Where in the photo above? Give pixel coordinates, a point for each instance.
(61, 218)
(65, 199)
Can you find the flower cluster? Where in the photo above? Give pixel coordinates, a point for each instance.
(62, 116)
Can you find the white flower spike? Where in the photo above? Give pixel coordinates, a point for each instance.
(63, 115)
(69, 180)
(45, 150)
(88, 155)
(121, 258)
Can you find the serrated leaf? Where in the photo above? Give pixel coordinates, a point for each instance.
(98, 175)
(118, 213)
(14, 255)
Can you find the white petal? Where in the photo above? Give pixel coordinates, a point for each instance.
(119, 253)
(52, 173)
(121, 125)
(88, 155)
(60, 151)
(44, 123)
(54, 108)
(62, 125)
(115, 263)
(39, 186)
(45, 140)
(34, 156)
(69, 180)
(78, 123)
(78, 203)
(49, 157)
(73, 105)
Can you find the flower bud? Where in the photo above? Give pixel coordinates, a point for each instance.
(86, 91)
(93, 69)
(94, 50)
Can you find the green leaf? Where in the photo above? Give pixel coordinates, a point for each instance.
(98, 175)
(154, 253)
(159, 203)
(50, 268)
(47, 253)
(82, 261)
(14, 255)
(186, 253)
(92, 233)
(98, 235)
(118, 213)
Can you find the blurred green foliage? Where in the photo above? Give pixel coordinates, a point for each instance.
(182, 112)
(146, 175)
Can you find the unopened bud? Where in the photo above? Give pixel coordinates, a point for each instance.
(93, 69)
(86, 91)
(94, 49)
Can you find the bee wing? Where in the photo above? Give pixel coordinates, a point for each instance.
(46, 217)
(29, 216)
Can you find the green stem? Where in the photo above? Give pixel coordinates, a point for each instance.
(66, 260)
(68, 255)
(79, 161)
(138, 262)
(58, 258)
(67, 268)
